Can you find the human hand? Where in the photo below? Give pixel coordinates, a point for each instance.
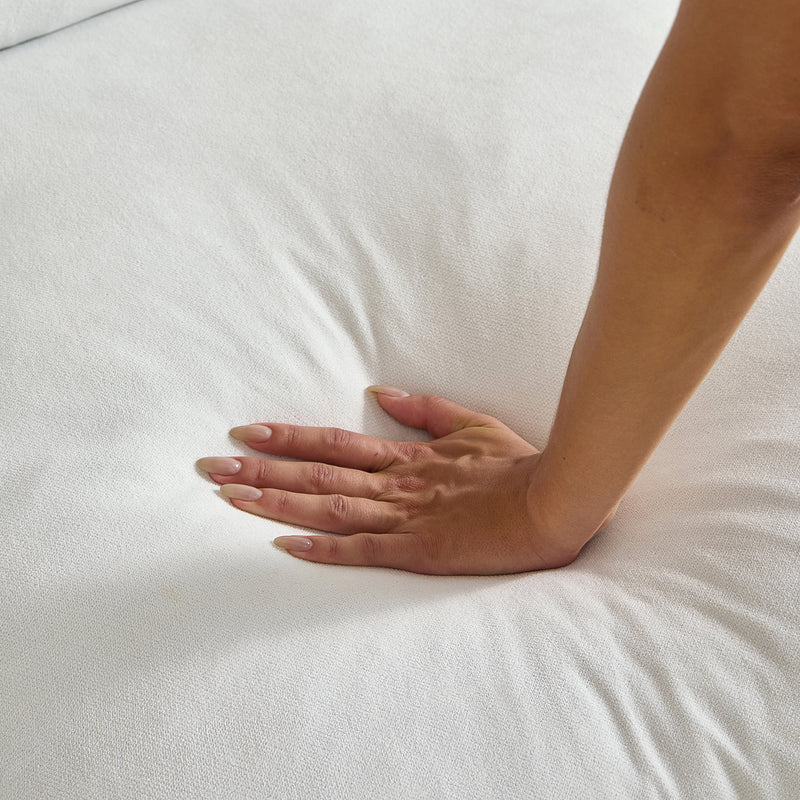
(470, 502)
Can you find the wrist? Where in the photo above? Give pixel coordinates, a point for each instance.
(562, 504)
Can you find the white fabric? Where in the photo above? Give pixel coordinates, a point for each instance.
(221, 213)
(21, 20)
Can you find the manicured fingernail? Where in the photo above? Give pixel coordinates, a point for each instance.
(292, 543)
(219, 466)
(392, 391)
(238, 491)
(251, 433)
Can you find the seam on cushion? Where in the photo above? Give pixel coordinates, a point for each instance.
(70, 25)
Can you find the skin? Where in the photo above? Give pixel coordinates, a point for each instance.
(704, 200)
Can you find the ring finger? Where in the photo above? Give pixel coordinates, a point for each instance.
(307, 477)
(336, 513)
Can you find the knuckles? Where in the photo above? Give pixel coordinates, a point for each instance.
(338, 438)
(338, 508)
(409, 484)
(370, 549)
(332, 548)
(262, 472)
(320, 477)
(433, 400)
(292, 436)
(412, 451)
(283, 502)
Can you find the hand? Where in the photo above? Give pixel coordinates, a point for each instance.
(470, 502)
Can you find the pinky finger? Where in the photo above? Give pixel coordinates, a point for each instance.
(395, 550)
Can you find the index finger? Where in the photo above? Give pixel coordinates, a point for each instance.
(330, 445)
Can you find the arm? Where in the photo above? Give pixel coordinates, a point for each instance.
(703, 202)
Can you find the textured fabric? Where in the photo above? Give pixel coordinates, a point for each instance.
(215, 213)
(21, 20)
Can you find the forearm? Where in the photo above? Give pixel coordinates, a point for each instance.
(698, 216)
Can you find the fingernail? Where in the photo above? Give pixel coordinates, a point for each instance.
(219, 466)
(251, 433)
(292, 543)
(238, 491)
(392, 391)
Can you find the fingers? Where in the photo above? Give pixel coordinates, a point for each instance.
(310, 478)
(337, 513)
(432, 413)
(331, 445)
(395, 550)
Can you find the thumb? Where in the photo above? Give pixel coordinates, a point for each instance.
(435, 414)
